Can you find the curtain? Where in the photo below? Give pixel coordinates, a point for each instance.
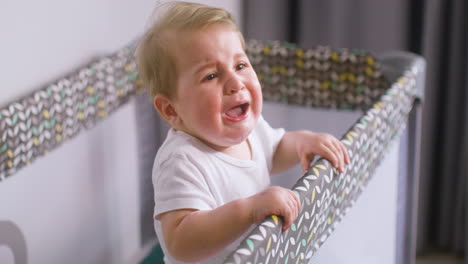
(436, 29)
(442, 207)
(376, 26)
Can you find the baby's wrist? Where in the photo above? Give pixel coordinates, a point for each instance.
(301, 137)
(251, 203)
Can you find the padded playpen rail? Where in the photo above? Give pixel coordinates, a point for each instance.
(42, 121)
(321, 77)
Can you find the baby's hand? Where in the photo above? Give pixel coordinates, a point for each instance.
(325, 145)
(275, 200)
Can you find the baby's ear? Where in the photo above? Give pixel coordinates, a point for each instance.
(166, 109)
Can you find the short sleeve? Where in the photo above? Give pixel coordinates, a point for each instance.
(179, 184)
(269, 139)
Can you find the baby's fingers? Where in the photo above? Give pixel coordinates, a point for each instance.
(292, 210)
(339, 153)
(305, 162)
(345, 151)
(289, 216)
(331, 156)
(297, 200)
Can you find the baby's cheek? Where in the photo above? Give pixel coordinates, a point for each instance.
(209, 118)
(257, 108)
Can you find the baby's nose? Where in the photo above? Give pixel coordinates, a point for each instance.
(233, 85)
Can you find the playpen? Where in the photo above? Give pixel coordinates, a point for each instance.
(385, 89)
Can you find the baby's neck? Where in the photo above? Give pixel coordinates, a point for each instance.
(241, 151)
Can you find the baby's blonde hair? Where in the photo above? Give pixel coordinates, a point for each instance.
(156, 63)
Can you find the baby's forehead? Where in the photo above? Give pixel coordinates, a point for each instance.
(195, 45)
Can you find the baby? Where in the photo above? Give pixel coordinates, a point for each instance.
(211, 176)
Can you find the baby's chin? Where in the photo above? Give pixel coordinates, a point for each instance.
(231, 141)
(246, 128)
(233, 135)
(232, 138)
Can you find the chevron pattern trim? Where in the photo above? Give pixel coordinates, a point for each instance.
(320, 77)
(326, 195)
(36, 124)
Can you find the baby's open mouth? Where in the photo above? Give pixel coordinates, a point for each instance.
(237, 111)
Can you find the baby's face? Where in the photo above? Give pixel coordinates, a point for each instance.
(219, 97)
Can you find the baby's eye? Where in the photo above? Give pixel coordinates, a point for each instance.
(210, 76)
(241, 66)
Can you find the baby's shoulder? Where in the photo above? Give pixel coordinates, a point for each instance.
(179, 147)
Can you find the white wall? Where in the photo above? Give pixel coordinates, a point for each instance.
(78, 204)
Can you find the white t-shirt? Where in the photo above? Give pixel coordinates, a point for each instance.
(189, 174)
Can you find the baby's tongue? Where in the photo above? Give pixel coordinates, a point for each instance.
(234, 112)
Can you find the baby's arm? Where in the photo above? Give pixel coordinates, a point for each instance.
(192, 235)
(303, 146)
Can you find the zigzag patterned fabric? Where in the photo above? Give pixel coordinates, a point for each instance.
(42, 121)
(325, 194)
(321, 77)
